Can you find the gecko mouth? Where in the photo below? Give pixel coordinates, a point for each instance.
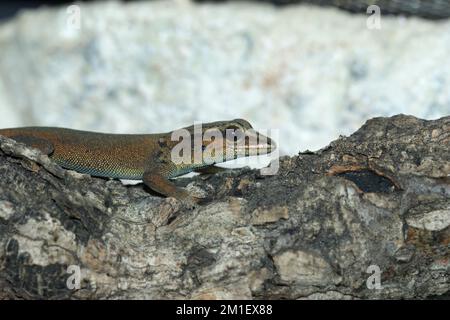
(264, 145)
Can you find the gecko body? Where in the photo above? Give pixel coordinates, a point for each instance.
(147, 157)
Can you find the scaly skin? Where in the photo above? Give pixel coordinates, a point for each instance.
(144, 157)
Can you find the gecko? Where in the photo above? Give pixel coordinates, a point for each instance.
(147, 157)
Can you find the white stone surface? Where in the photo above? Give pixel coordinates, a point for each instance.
(313, 73)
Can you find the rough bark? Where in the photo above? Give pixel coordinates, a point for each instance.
(379, 198)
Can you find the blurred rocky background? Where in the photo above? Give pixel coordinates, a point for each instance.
(313, 72)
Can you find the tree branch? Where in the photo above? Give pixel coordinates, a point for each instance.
(322, 227)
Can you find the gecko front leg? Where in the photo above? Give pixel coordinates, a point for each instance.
(157, 182)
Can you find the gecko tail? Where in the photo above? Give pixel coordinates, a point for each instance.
(42, 144)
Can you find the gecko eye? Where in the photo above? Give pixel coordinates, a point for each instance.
(203, 147)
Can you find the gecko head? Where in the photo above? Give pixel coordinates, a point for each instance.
(228, 140)
(219, 141)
